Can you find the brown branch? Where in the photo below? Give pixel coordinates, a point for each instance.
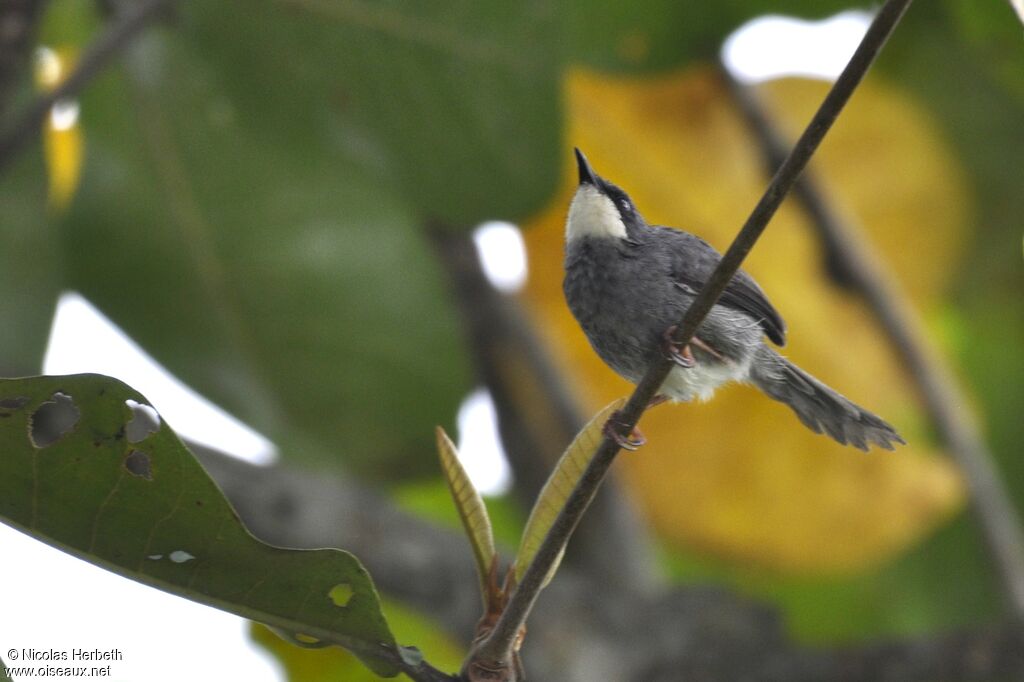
(851, 263)
(98, 56)
(496, 650)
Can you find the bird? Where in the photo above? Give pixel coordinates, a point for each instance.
(629, 283)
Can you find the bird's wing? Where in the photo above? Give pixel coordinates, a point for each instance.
(693, 261)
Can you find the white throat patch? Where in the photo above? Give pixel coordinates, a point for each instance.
(592, 214)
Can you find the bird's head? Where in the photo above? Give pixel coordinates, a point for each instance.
(599, 208)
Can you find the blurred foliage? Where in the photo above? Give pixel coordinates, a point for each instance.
(434, 99)
(250, 211)
(295, 278)
(966, 62)
(31, 277)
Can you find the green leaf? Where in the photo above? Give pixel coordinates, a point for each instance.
(454, 104)
(69, 22)
(30, 279)
(80, 471)
(557, 489)
(471, 508)
(277, 279)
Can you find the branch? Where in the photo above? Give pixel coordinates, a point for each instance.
(497, 649)
(852, 265)
(99, 54)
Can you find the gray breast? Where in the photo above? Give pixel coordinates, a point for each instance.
(621, 296)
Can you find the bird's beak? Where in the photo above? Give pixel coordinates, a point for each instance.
(587, 174)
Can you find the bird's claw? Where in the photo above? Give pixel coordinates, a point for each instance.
(681, 356)
(632, 442)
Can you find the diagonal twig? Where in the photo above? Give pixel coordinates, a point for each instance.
(496, 650)
(849, 261)
(128, 26)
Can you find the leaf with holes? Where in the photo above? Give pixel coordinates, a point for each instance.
(556, 490)
(86, 466)
(470, 506)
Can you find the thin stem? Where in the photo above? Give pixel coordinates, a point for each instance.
(27, 125)
(850, 261)
(498, 647)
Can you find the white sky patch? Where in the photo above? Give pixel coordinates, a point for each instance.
(84, 340)
(502, 255)
(479, 444)
(64, 114)
(1018, 6)
(159, 635)
(776, 46)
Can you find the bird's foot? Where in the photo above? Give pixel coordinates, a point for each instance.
(684, 356)
(681, 356)
(612, 429)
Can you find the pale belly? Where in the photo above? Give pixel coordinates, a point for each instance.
(701, 380)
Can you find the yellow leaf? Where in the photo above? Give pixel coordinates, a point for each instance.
(471, 508)
(740, 476)
(557, 489)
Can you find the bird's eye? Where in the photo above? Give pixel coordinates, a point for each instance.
(626, 206)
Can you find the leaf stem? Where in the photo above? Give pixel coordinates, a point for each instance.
(498, 647)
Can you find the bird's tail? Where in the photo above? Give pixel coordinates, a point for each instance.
(818, 406)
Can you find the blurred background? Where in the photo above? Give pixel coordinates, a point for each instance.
(310, 230)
